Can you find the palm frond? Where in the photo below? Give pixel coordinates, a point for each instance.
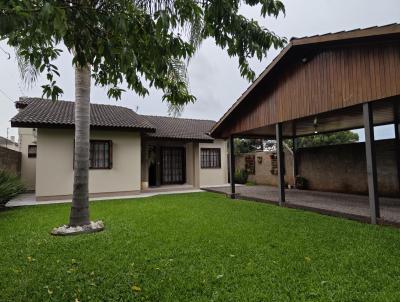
(153, 6)
(175, 110)
(196, 32)
(28, 73)
(177, 73)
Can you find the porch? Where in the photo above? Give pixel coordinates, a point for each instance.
(320, 85)
(335, 204)
(169, 164)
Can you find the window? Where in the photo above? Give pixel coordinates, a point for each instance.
(210, 158)
(100, 154)
(32, 151)
(250, 164)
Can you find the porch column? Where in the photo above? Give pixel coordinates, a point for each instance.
(371, 162)
(281, 172)
(397, 139)
(232, 166)
(294, 144)
(295, 162)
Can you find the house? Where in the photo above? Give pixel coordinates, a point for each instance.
(8, 143)
(129, 152)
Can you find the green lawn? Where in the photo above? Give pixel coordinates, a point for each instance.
(196, 247)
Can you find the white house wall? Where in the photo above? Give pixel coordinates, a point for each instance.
(213, 177)
(54, 164)
(27, 136)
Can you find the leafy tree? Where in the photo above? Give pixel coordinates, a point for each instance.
(336, 138)
(247, 145)
(139, 42)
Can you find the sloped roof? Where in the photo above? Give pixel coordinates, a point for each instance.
(42, 113)
(176, 128)
(60, 114)
(296, 43)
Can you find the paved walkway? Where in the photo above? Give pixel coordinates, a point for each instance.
(30, 199)
(348, 205)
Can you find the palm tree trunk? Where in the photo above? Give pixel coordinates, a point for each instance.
(80, 200)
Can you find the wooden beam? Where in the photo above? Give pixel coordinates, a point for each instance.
(280, 159)
(232, 166)
(397, 139)
(371, 162)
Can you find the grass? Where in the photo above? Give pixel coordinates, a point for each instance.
(196, 247)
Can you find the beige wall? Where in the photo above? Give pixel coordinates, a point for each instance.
(196, 165)
(54, 173)
(263, 167)
(27, 136)
(213, 177)
(144, 175)
(190, 177)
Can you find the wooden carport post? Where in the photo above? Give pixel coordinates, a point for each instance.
(232, 165)
(397, 139)
(294, 150)
(371, 162)
(281, 171)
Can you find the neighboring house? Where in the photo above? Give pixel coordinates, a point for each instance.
(8, 143)
(128, 152)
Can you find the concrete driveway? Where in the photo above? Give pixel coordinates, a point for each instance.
(337, 204)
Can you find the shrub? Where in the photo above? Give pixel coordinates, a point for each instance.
(250, 183)
(10, 186)
(301, 183)
(241, 176)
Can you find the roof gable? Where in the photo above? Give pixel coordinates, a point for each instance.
(297, 44)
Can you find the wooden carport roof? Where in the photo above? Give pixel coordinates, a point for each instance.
(321, 82)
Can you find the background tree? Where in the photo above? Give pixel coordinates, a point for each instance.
(247, 145)
(136, 42)
(336, 138)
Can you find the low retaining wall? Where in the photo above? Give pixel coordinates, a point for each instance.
(343, 168)
(10, 161)
(337, 168)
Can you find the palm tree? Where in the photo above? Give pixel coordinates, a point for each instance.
(80, 200)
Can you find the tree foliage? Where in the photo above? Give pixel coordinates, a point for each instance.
(336, 138)
(134, 41)
(247, 145)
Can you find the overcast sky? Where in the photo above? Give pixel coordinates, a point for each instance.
(214, 77)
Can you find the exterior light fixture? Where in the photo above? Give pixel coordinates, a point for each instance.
(315, 125)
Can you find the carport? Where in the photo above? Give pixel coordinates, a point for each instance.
(321, 84)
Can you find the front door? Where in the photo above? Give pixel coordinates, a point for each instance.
(173, 165)
(152, 159)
